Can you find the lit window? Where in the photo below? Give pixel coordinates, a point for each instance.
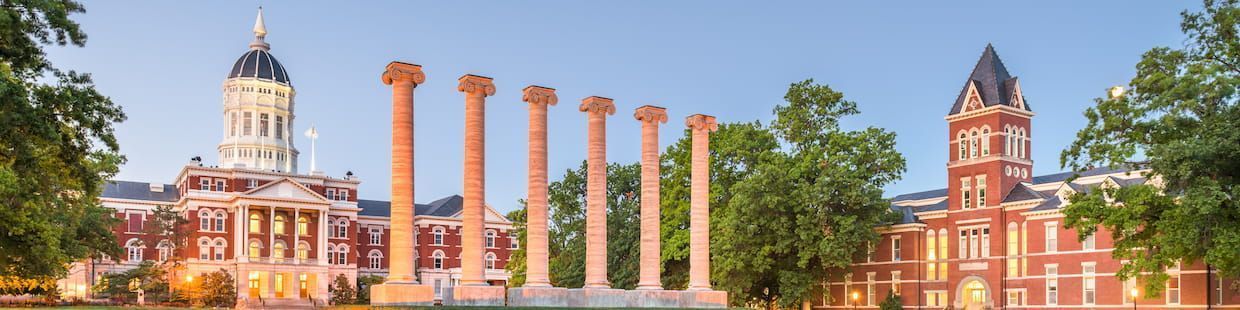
(256, 223)
(931, 255)
(895, 282)
(303, 250)
(256, 249)
(303, 226)
(279, 229)
(943, 253)
(1012, 250)
(1173, 289)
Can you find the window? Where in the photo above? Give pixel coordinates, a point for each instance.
(331, 228)
(376, 259)
(437, 236)
(973, 243)
(279, 127)
(165, 250)
(490, 261)
(204, 249)
(133, 250)
(973, 144)
(279, 229)
(1012, 250)
(303, 250)
(1173, 289)
(204, 220)
(376, 236)
(232, 124)
(985, 141)
(251, 183)
(1052, 284)
(343, 194)
(1088, 244)
(437, 259)
(985, 242)
(895, 249)
(220, 185)
(964, 244)
(931, 255)
(961, 142)
(1088, 287)
(256, 249)
(870, 293)
(965, 201)
(490, 241)
(342, 228)
(943, 254)
(513, 240)
(247, 123)
(219, 249)
(1020, 142)
(256, 223)
(847, 288)
(1013, 298)
(303, 226)
(263, 120)
(331, 254)
(331, 194)
(133, 222)
(219, 220)
(895, 282)
(1052, 238)
(981, 191)
(1007, 141)
(342, 255)
(277, 251)
(204, 184)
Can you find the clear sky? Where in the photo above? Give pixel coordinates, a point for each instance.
(903, 62)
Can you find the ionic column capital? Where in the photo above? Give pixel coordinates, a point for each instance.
(401, 72)
(650, 114)
(701, 122)
(539, 95)
(596, 104)
(476, 85)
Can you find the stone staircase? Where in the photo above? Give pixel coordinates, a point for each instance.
(278, 303)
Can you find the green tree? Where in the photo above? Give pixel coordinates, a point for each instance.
(566, 203)
(170, 227)
(56, 146)
(342, 291)
(734, 148)
(218, 289)
(805, 211)
(151, 279)
(363, 287)
(1179, 120)
(892, 302)
(516, 265)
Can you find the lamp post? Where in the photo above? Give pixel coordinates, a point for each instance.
(856, 296)
(1133, 293)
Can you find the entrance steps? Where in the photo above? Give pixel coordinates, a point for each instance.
(278, 303)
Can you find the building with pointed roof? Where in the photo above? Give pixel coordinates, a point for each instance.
(283, 235)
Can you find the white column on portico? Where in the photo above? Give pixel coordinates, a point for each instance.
(271, 234)
(321, 250)
(296, 234)
(243, 224)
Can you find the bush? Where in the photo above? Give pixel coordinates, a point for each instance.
(892, 302)
(218, 289)
(342, 291)
(150, 278)
(363, 287)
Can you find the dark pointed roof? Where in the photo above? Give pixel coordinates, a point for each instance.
(444, 207)
(139, 191)
(259, 64)
(991, 79)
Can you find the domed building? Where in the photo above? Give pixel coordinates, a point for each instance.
(285, 236)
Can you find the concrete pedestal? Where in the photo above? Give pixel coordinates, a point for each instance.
(470, 295)
(597, 298)
(538, 297)
(401, 294)
(654, 298)
(704, 299)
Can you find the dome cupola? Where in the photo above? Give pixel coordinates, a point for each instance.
(258, 63)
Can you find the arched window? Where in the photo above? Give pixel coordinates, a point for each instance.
(513, 240)
(165, 250)
(279, 229)
(204, 220)
(985, 141)
(490, 240)
(331, 228)
(303, 250)
(342, 255)
(437, 235)
(277, 251)
(961, 142)
(1020, 142)
(343, 228)
(943, 253)
(376, 259)
(490, 260)
(1007, 140)
(303, 225)
(220, 245)
(204, 248)
(256, 223)
(973, 143)
(133, 249)
(331, 253)
(931, 255)
(437, 260)
(256, 248)
(1013, 249)
(219, 220)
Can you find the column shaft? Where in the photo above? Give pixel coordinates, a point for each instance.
(536, 200)
(648, 272)
(401, 266)
(475, 149)
(699, 205)
(596, 203)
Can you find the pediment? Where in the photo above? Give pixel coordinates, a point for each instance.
(491, 215)
(285, 189)
(972, 98)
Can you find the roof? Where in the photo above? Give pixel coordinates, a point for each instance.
(992, 80)
(906, 214)
(138, 191)
(259, 64)
(1050, 178)
(445, 207)
(1049, 204)
(938, 206)
(921, 195)
(1021, 192)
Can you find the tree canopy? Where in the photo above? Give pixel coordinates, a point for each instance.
(1179, 120)
(56, 145)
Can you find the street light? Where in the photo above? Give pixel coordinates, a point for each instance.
(1133, 293)
(189, 278)
(856, 296)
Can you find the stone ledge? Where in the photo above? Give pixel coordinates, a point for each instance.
(538, 297)
(401, 294)
(470, 295)
(597, 298)
(654, 298)
(704, 299)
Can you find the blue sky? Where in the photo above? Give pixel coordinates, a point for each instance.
(902, 61)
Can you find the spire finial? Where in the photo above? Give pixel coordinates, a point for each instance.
(260, 33)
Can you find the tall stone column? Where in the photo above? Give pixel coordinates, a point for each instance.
(402, 288)
(536, 200)
(404, 78)
(597, 109)
(699, 205)
(648, 275)
(476, 89)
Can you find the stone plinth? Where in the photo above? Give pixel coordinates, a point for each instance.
(538, 297)
(654, 298)
(401, 294)
(597, 298)
(704, 299)
(473, 295)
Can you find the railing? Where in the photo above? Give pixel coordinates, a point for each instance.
(284, 260)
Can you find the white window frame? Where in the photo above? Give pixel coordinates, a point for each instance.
(1090, 242)
(204, 220)
(375, 259)
(437, 233)
(490, 261)
(1052, 284)
(490, 239)
(1089, 283)
(870, 288)
(376, 236)
(895, 249)
(895, 282)
(1052, 237)
(437, 260)
(220, 220)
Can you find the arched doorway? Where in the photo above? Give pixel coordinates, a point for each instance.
(973, 293)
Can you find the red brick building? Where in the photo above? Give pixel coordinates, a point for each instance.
(282, 234)
(995, 237)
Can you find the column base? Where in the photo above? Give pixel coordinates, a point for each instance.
(704, 298)
(402, 294)
(473, 295)
(597, 298)
(538, 297)
(654, 298)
